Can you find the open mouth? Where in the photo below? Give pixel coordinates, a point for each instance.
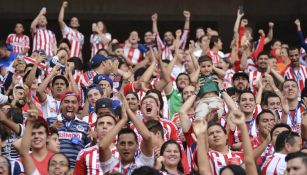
(69, 112)
(148, 109)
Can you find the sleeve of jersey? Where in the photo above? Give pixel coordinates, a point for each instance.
(259, 48)
(274, 54)
(231, 138)
(302, 39)
(65, 30)
(184, 38)
(159, 41)
(188, 137)
(27, 44)
(80, 164)
(8, 39)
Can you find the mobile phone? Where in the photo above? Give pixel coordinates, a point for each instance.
(241, 9)
(94, 27)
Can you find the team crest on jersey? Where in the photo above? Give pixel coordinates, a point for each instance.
(80, 128)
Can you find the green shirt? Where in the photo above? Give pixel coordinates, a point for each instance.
(175, 102)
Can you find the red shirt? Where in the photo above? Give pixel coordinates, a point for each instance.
(42, 166)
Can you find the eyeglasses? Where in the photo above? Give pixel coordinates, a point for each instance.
(61, 164)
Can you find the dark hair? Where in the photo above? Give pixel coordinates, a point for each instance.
(298, 154)
(40, 123)
(244, 92)
(102, 49)
(291, 48)
(77, 61)
(266, 95)
(182, 74)
(279, 125)
(264, 111)
(227, 61)
(204, 58)
(149, 96)
(53, 131)
(201, 38)
(139, 72)
(145, 170)
(236, 169)
(106, 114)
(8, 163)
(134, 94)
(211, 124)
(155, 91)
(287, 80)
(214, 39)
(60, 77)
(16, 115)
(65, 41)
(283, 138)
(163, 147)
(263, 53)
(127, 131)
(154, 126)
(59, 154)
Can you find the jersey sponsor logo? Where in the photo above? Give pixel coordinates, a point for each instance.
(69, 135)
(80, 128)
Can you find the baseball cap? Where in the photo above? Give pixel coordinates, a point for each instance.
(240, 74)
(104, 103)
(101, 77)
(68, 93)
(97, 59)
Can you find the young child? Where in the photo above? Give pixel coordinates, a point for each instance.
(209, 92)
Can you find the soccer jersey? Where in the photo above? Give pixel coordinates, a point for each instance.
(76, 40)
(51, 108)
(254, 76)
(73, 137)
(133, 54)
(91, 119)
(115, 165)
(96, 42)
(19, 42)
(7, 148)
(294, 119)
(299, 76)
(44, 39)
(269, 150)
(274, 165)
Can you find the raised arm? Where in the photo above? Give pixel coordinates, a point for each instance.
(187, 16)
(154, 19)
(146, 145)
(183, 113)
(200, 131)
(239, 119)
(35, 21)
(238, 20)
(300, 34)
(42, 87)
(27, 161)
(270, 33)
(104, 144)
(31, 76)
(61, 15)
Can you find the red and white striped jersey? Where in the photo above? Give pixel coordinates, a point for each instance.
(299, 75)
(227, 82)
(19, 42)
(88, 161)
(133, 54)
(91, 119)
(87, 78)
(254, 76)
(294, 119)
(44, 39)
(274, 165)
(251, 126)
(167, 50)
(218, 160)
(30, 60)
(76, 40)
(96, 42)
(214, 57)
(269, 150)
(251, 66)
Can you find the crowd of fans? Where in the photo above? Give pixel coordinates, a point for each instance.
(167, 106)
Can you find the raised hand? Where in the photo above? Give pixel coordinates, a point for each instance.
(43, 11)
(237, 117)
(199, 126)
(271, 24)
(178, 33)
(297, 22)
(240, 15)
(33, 114)
(261, 32)
(154, 17)
(186, 14)
(65, 4)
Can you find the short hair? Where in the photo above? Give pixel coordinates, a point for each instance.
(155, 91)
(214, 39)
(204, 58)
(16, 115)
(40, 123)
(235, 169)
(149, 96)
(60, 77)
(291, 48)
(77, 61)
(134, 94)
(59, 154)
(154, 126)
(298, 154)
(263, 53)
(66, 41)
(211, 124)
(139, 72)
(106, 114)
(201, 38)
(246, 92)
(267, 95)
(53, 131)
(102, 49)
(287, 80)
(264, 111)
(283, 138)
(145, 170)
(127, 131)
(279, 125)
